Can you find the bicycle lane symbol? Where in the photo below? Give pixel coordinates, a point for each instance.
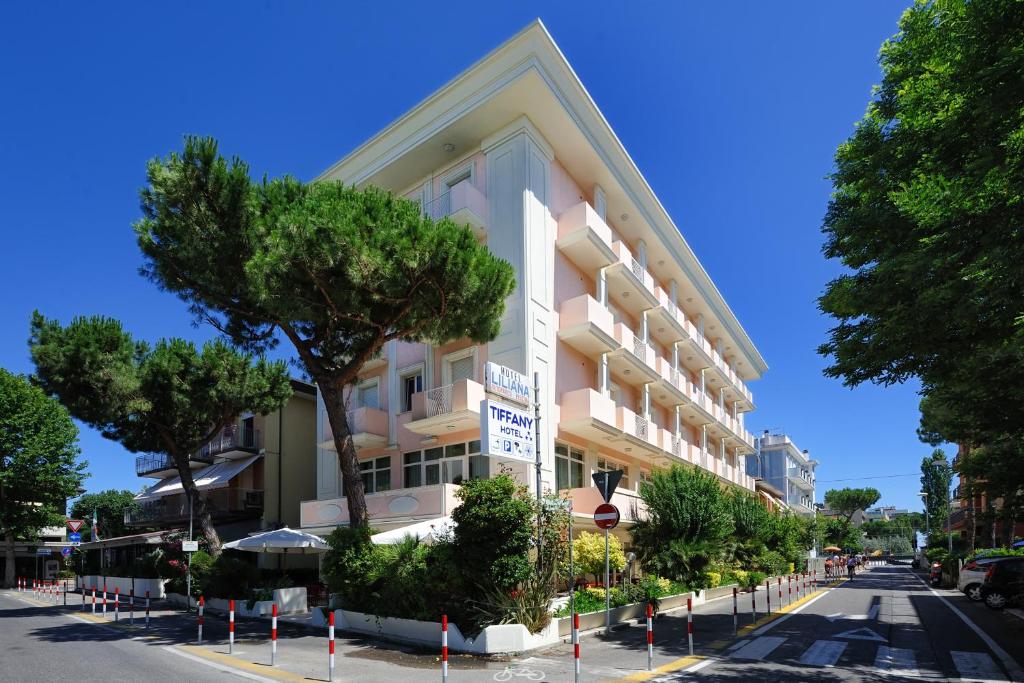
(511, 672)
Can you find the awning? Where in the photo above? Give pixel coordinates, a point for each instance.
(212, 477)
(147, 538)
(426, 531)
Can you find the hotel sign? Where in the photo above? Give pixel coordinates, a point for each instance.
(506, 383)
(507, 432)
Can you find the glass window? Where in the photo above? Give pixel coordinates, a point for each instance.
(411, 384)
(568, 467)
(412, 469)
(605, 464)
(432, 468)
(369, 395)
(376, 474)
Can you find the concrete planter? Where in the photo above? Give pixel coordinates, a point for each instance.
(493, 640)
(125, 584)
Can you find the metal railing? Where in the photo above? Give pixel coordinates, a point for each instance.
(155, 462)
(222, 503)
(438, 401)
(642, 427)
(231, 438)
(643, 350)
(439, 208)
(677, 447)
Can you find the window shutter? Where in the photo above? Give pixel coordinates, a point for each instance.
(462, 369)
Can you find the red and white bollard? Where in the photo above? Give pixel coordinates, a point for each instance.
(104, 598)
(94, 599)
(131, 606)
(735, 610)
(147, 609)
(330, 646)
(576, 646)
(117, 603)
(273, 634)
(231, 626)
(689, 623)
(202, 604)
(753, 605)
(650, 637)
(780, 592)
(83, 597)
(768, 594)
(789, 588)
(444, 648)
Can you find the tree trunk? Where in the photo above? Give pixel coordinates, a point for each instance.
(352, 482)
(9, 561)
(200, 512)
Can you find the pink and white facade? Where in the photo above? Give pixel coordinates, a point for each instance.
(642, 363)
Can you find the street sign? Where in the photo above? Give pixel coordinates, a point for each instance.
(606, 516)
(507, 432)
(75, 524)
(43, 551)
(606, 483)
(65, 551)
(189, 546)
(74, 538)
(507, 383)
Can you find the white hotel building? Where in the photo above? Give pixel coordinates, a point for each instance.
(642, 363)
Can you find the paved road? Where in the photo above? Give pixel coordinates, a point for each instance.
(885, 624)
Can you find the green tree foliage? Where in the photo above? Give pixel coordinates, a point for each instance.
(926, 212)
(685, 527)
(109, 506)
(336, 270)
(168, 398)
(39, 469)
(848, 500)
(936, 475)
(995, 469)
(588, 554)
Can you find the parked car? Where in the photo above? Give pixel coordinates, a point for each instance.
(935, 574)
(972, 575)
(1004, 582)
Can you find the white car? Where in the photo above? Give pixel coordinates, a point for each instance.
(972, 575)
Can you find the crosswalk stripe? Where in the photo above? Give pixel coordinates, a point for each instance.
(977, 666)
(823, 653)
(759, 648)
(737, 645)
(896, 661)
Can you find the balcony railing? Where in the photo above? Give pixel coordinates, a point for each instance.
(463, 203)
(438, 401)
(222, 503)
(232, 438)
(147, 464)
(642, 427)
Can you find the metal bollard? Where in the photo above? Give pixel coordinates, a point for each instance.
(231, 626)
(147, 609)
(768, 594)
(131, 606)
(94, 599)
(117, 603)
(780, 592)
(735, 611)
(789, 589)
(202, 604)
(689, 623)
(753, 605)
(104, 598)
(444, 648)
(330, 646)
(650, 638)
(576, 646)
(273, 634)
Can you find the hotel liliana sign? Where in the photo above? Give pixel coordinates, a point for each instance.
(507, 432)
(506, 383)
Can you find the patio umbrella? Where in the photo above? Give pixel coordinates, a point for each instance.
(831, 549)
(425, 531)
(283, 540)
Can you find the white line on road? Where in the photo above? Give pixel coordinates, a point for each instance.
(759, 648)
(896, 661)
(976, 666)
(218, 667)
(823, 653)
(772, 624)
(738, 644)
(1016, 673)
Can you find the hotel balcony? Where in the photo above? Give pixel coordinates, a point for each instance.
(226, 504)
(463, 204)
(586, 325)
(801, 478)
(667, 322)
(368, 426)
(630, 286)
(588, 414)
(634, 360)
(161, 466)
(387, 509)
(585, 238)
(451, 408)
(234, 441)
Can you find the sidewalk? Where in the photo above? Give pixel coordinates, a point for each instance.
(302, 652)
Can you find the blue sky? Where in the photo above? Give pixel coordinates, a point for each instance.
(731, 110)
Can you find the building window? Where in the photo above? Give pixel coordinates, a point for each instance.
(450, 464)
(568, 467)
(412, 469)
(456, 176)
(459, 365)
(605, 465)
(376, 474)
(412, 383)
(368, 394)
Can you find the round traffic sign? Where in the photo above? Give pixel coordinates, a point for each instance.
(606, 516)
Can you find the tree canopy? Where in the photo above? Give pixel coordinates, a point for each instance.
(338, 271)
(936, 475)
(39, 467)
(926, 213)
(109, 507)
(168, 398)
(848, 500)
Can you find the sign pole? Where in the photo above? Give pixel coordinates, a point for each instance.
(607, 577)
(540, 493)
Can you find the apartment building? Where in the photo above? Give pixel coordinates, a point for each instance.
(777, 460)
(641, 362)
(977, 518)
(252, 475)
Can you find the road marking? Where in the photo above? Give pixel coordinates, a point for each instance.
(738, 644)
(977, 666)
(759, 648)
(863, 633)
(219, 667)
(1016, 673)
(896, 661)
(823, 653)
(785, 613)
(870, 616)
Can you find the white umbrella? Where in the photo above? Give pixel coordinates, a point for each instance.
(283, 540)
(427, 531)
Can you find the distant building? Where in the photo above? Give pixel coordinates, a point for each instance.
(973, 516)
(779, 462)
(884, 514)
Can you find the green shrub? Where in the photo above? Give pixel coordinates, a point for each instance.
(772, 563)
(994, 552)
(494, 531)
(229, 577)
(714, 579)
(755, 579)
